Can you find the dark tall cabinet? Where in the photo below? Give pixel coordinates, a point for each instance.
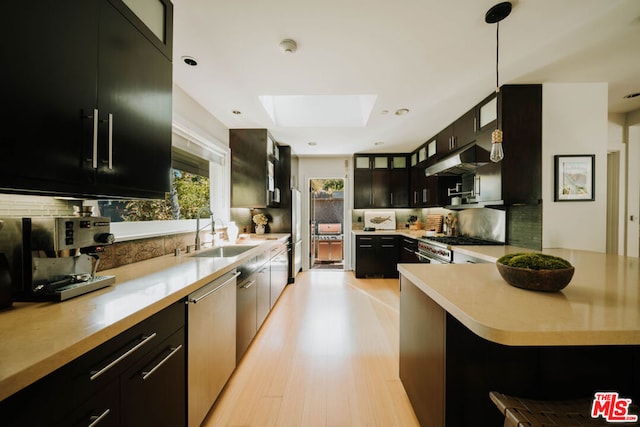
(91, 114)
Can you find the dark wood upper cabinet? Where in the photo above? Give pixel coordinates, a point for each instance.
(90, 115)
(381, 181)
(256, 165)
(516, 179)
(458, 134)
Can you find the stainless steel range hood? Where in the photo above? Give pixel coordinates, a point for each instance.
(465, 160)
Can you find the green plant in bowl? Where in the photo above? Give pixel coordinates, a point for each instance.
(535, 271)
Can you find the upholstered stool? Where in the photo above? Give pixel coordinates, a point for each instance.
(520, 412)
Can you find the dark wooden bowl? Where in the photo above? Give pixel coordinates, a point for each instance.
(536, 280)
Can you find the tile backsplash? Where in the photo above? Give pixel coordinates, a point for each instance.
(27, 206)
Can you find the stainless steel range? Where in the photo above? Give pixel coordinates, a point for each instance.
(439, 249)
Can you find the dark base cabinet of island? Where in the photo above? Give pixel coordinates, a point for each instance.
(448, 371)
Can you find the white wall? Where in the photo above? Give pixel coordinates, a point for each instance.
(325, 167)
(616, 142)
(574, 121)
(633, 197)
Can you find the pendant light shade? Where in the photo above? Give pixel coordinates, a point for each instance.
(493, 16)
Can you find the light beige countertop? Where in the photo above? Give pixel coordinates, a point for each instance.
(600, 306)
(37, 338)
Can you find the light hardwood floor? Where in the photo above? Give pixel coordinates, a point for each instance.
(327, 355)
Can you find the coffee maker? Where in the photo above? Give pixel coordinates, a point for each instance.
(54, 258)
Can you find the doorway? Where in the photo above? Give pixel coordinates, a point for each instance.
(326, 217)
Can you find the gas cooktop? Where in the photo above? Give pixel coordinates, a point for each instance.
(461, 240)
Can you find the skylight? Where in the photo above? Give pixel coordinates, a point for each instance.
(319, 110)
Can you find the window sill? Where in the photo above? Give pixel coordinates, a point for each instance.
(126, 231)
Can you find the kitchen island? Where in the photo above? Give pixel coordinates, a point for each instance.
(464, 332)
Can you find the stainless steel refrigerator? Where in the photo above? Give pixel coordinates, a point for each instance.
(296, 233)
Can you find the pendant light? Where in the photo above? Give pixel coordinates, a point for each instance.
(493, 16)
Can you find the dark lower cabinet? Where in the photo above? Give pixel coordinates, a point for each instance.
(135, 379)
(278, 273)
(153, 391)
(377, 256)
(246, 313)
(408, 249)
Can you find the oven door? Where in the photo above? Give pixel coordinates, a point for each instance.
(423, 258)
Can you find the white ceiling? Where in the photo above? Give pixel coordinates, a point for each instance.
(434, 57)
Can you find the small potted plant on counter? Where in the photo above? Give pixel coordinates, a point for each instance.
(260, 220)
(414, 222)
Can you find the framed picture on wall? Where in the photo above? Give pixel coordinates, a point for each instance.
(574, 177)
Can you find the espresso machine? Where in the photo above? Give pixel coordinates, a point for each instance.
(54, 258)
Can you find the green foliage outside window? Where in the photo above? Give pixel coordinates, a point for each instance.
(189, 193)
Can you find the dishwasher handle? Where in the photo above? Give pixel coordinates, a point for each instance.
(215, 288)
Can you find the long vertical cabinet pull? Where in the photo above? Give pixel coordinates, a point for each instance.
(94, 160)
(110, 141)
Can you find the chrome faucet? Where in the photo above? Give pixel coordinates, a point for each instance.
(198, 229)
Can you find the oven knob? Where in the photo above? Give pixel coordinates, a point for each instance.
(106, 238)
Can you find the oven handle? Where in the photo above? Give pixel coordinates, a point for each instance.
(419, 255)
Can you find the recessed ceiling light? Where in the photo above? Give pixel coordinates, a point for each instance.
(312, 144)
(190, 61)
(402, 111)
(236, 112)
(632, 95)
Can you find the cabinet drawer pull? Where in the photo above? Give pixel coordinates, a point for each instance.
(388, 246)
(365, 246)
(96, 419)
(248, 285)
(145, 339)
(174, 350)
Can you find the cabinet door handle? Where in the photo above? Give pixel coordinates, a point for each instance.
(110, 141)
(391, 198)
(145, 339)
(174, 350)
(248, 285)
(96, 419)
(477, 186)
(424, 195)
(415, 197)
(94, 160)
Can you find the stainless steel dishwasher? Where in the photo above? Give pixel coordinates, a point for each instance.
(211, 344)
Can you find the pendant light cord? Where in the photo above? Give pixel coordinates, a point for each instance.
(497, 53)
(497, 79)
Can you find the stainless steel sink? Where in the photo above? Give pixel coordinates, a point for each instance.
(224, 251)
